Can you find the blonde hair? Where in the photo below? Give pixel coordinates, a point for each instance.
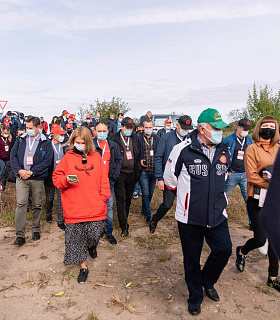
(256, 132)
(85, 134)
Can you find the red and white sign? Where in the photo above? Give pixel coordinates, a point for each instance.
(3, 104)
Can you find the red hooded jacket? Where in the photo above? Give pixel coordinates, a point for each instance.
(86, 200)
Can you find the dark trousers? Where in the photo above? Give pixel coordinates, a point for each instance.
(50, 191)
(124, 188)
(168, 199)
(192, 238)
(259, 237)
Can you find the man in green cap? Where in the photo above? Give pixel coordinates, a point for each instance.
(197, 168)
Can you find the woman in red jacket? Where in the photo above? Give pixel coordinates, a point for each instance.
(83, 200)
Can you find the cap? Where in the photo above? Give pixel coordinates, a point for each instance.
(245, 123)
(167, 121)
(128, 122)
(9, 113)
(185, 122)
(213, 117)
(56, 129)
(65, 112)
(21, 114)
(72, 116)
(7, 120)
(88, 116)
(69, 126)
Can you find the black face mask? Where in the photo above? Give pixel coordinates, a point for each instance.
(267, 133)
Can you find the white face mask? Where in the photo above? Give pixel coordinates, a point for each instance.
(183, 132)
(6, 135)
(244, 133)
(60, 139)
(79, 147)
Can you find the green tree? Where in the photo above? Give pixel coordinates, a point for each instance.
(105, 108)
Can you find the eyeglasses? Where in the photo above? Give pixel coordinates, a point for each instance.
(140, 131)
(84, 160)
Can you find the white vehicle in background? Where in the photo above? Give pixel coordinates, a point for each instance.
(159, 119)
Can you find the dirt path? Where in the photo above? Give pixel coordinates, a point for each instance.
(144, 271)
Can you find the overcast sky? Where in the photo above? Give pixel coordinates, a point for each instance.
(158, 55)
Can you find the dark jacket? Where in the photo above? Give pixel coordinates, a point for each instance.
(43, 157)
(166, 144)
(63, 125)
(162, 131)
(200, 184)
(113, 128)
(115, 159)
(136, 150)
(109, 121)
(143, 118)
(88, 125)
(142, 143)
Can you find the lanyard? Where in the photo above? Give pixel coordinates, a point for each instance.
(149, 145)
(5, 141)
(242, 144)
(103, 148)
(125, 143)
(54, 148)
(31, 144)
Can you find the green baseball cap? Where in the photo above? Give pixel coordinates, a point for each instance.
(213, 117)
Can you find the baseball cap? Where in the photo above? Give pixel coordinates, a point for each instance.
(72, 116)
(128, 122)
(88, 116)
(65, 112)
(167, 121)
(185, 122)
(245, 123)
(7, 120)
(69, 126)
(213, 117)
(56, 129)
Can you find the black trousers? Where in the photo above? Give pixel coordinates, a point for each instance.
(192, 238)
(168, 199)
(124, 188)
(259, 237)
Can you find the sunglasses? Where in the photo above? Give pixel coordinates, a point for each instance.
(84, 160)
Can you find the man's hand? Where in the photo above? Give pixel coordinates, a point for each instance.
(142, 163)
(71, 181)
(10, 138)
(160, 185)
(24, 174)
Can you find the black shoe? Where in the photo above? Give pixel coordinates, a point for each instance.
(92, 252)
(36, 236)
(125, 232)
(212, 294)
(82, 278)
(61, 226)
(148, 220)
(19, 241)
(152, 226)
(239, 260)
(111, 239)
(49, 219)
(274, 283)
(194, 309)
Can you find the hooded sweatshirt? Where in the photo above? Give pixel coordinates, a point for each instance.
(86, 200)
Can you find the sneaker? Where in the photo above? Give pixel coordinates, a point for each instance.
(92, 252)
(82, 278)
(36, 236)
(49, 219)
(274, 283)
(61, 226)
(152, 226)
(239, 260)
(111, 239)
(135, 195)
(19, 241)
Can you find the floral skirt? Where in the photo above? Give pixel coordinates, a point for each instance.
(79, 237)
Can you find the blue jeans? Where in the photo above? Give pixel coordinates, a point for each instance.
(147, 183)
(3, 173)
(240, 179)
(110, 214)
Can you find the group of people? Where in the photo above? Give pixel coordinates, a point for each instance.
(87, 165)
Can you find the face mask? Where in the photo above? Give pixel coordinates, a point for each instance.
(70, 121)
(6, 135)
(31, 133)
(69, 131)
(244, 133)
(267, 133)
(183, 132)
(42, 121)
(79, 147)
(88, 121)
(148, 132)
(102, 136)
(97, 119)
(167, 128)
(112, 118)
(60, 139)
(216, 136)
(120, 120)
(127, 133)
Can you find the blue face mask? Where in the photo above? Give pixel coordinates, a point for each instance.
(216, 136)
(127, 133)
(31, 133)
(97, 119)
(148, 132)
(102, 136)
(87, 121)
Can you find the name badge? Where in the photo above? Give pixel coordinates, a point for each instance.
(240, 155)
(6, 148)
(57, 162)
(129, 155)
(29, 160)
(151, 153)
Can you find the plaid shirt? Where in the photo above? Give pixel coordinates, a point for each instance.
(147, 155)
(208, 152)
